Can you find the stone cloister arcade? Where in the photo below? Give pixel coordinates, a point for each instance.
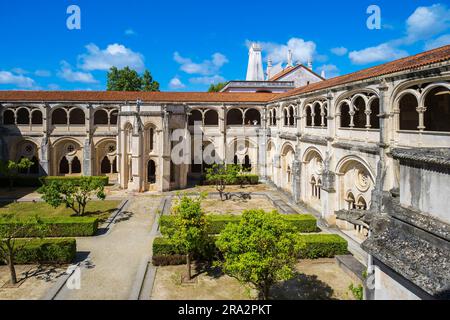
(324, 148)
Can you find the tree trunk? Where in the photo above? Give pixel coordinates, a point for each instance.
(188, 263)
(266, 289)
(12, 269)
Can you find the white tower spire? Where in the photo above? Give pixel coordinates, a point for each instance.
(255, 71)
(289, 58)
(269, 69)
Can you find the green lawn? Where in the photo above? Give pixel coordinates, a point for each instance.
(100, 209)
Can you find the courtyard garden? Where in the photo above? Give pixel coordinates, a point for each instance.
(235, 245)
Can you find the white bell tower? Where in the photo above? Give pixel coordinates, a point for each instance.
(255, 71)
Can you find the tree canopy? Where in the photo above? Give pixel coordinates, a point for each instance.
(261, 250)
(217, 87)
(127, 79)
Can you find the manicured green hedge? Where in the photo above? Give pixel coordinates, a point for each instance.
(49, 179)
(24, 182)
(58, 227)
(303, 223)
(314, 246)
(46, 251)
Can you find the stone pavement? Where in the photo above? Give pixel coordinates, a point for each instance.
(114, 260)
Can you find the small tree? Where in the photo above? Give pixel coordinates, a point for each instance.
(260, 250)
(10, 169)
(73, 195)
(10, 232)
(189, 230)
(217, 87)
(222, 175)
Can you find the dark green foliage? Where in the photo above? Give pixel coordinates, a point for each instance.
(45, 251)
(22, 182)
(314, 246)
(73, 194)
(10, 169)
(217, 87)
(303, 223)
(127, 79)
(239, 179)
(54, 227)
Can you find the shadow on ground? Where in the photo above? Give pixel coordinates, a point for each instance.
(302, 287)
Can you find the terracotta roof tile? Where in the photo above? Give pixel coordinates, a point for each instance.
(38, 96)
(419, 60)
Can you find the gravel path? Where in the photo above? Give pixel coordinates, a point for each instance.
(110, 270)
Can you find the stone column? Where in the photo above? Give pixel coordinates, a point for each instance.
(166, 149)
(296, 180)
(87, 157)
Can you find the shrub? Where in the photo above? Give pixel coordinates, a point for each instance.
(57, 227)
(303, 223)
(314, 246)
(46, 251)
(76, 180)
(240, 179)
(168, 260)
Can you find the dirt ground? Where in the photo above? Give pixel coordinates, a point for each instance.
(236, 206)
(319, 279)
(35, 281)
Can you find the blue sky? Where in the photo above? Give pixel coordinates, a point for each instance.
(188, 44)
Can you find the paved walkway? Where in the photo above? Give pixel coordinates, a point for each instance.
(110, 271)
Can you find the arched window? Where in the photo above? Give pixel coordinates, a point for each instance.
(291, 116)
(196, 116)
(319, 185)
(359, 118)
(236, 160)
(8, 117)
(151, 139)
(362, 205)
(76, 116)
(64, 166)
(59, 116)
(437, 114)
(211, 118)
(114, 165)
(375, 111)
(317, 116)
(23, 116)
(36, 117)
(234, 117)
(308, 116)
(274, 119)
(151, 171)
(325, 115)
(313, 187)
(76, 165)
(288, 171)
(247, 166)
(286, 117)
(113, 117)
(105, 165)
(100, 117)
(345, 115)
(409, 117)
(252, 117)
(351, 201)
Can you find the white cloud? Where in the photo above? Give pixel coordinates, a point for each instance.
(438, 42)
(380, 53)
(115, 55)
(426, 22)
(69, 75)
(207, 80)
(340, 51)
(331, 70)
(130, 32)
(302, 50)
(206, 67)
(43, 73)
(53, 86)
(175, 83)
(19, 80)
(19, 71)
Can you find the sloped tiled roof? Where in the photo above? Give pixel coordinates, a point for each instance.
(419, 60)
(132, 96)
